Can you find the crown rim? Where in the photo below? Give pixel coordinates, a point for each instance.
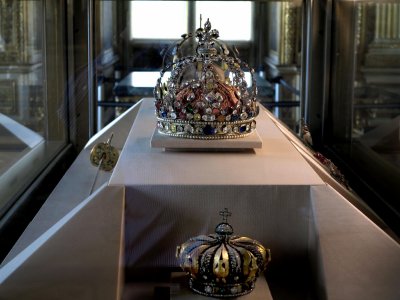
(221, 290)
(206, 130)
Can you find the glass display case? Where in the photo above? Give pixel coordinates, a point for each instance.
(33, 102)
(333, 65)
(330, 65)
(138, 46)
(361, 121)
(75, 72)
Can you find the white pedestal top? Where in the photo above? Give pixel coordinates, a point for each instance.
(276, 163)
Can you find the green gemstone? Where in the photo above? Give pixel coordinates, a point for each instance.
(189, 108)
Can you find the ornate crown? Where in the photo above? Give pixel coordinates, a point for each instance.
(221, 265)
(206, 95)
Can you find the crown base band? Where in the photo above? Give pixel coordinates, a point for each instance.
(221, 290)
(206, 137)
(206, 130)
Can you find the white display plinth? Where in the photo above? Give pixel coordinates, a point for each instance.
(260, 292)
(321, 245)
(79, 257)
(174, 195)
(276, 163)
(275, 197)
(178, 289)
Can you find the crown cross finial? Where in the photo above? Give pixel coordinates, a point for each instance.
(225, 214)
(207, 25)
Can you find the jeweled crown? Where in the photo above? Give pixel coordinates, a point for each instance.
(206, 95)
(222, 265)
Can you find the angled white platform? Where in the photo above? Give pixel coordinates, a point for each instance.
(76, 184)
(354, 258)
(79, 257)
(20, 148)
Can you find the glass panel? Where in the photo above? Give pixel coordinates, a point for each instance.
(32, 111)
(267, 35)
(365, 99)
(376, 114)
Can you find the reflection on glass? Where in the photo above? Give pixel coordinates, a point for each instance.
(376, 113)
(31, 124)
(363, 129)
(21, 68)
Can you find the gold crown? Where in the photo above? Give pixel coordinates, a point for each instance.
(206, 95)
(221, 265)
